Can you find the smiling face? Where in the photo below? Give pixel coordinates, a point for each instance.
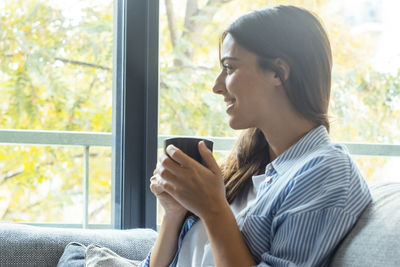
(250, 92)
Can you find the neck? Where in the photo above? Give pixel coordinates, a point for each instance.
(282, 136)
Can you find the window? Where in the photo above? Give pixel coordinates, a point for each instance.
(71, 73)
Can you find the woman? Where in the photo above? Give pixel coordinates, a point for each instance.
(286, 195)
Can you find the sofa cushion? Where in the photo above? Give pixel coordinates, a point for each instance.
(375, 239)
(24, 245)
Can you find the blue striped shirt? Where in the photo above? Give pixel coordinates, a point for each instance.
(311, 198)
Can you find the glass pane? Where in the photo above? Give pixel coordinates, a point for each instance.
(55, 74)
(386, 172)
(46, 188)
(100, 186)
(365, 93)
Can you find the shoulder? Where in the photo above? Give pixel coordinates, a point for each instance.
(326, 163)
(326, 177)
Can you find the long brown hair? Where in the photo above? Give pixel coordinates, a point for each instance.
(297, 37)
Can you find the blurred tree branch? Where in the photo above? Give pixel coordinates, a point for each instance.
(193, 29)
(171, 21)
(81, 63)
(75, 62)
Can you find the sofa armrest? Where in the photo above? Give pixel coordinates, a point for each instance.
(24, 245)
(375, 239)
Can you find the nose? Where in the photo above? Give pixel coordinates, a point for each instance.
(219, 86)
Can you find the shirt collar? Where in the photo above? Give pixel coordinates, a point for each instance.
(313, 139)
(257, 180)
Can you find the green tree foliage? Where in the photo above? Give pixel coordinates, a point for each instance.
(55, 74)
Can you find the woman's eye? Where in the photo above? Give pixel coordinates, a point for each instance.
(227, 67)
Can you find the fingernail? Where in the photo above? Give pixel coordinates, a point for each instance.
(202, 143)
(171, 148)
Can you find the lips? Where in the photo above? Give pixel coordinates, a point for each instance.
(230, 102)
(229, 105)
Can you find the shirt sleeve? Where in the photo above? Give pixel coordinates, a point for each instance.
(146, 262)
(308, 239)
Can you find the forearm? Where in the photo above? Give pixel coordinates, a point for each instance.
(167, 241)
(228, 246)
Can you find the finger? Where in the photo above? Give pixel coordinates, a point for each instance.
(157, 166)
(153, 179)
(155, 187)
(165, 174)
(208, 158)
(158, 185)
(178, 156)
(179, 164)
(166, 163)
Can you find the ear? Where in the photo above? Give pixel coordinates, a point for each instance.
(284, 67)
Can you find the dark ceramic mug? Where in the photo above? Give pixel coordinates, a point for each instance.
(189, 146)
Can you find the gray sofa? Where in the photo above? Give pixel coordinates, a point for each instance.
(374, 241)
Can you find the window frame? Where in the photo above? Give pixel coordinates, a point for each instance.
(135, 113)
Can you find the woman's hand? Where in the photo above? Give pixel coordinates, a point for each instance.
(169, 204)
(165, 247)
(197, 188)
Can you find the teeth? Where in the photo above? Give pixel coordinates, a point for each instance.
(231, 105)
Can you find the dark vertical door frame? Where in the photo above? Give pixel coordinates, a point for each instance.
(135, 110)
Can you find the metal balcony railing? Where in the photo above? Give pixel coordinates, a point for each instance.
(63, 138)
(93, 139)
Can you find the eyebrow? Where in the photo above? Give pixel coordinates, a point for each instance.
(230, 58)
